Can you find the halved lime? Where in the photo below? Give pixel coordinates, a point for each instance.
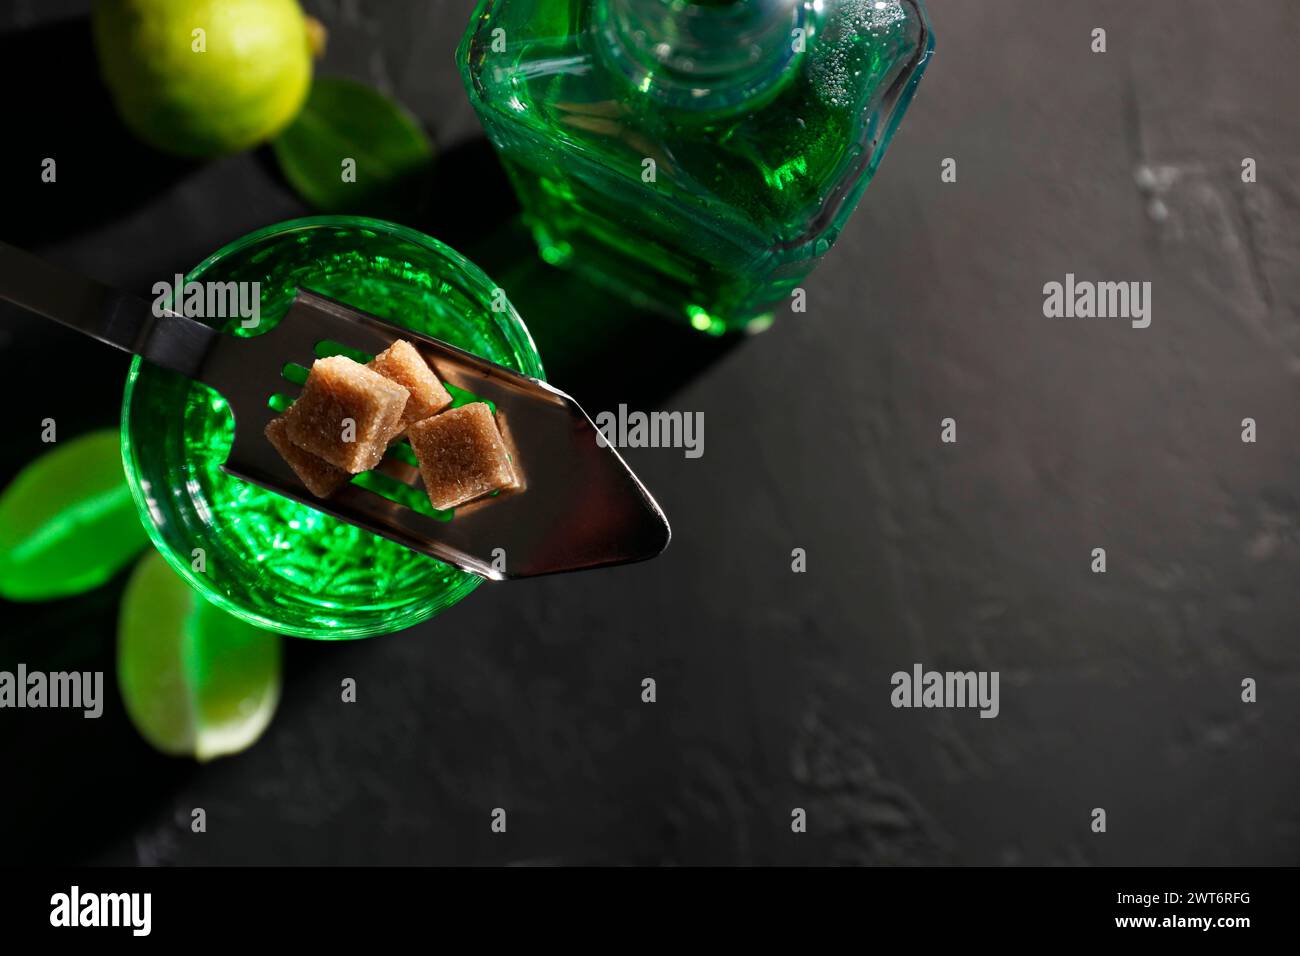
(195, 680)
(67, 522)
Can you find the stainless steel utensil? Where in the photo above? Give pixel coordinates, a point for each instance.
(581, 506)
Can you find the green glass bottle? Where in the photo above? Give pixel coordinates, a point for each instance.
(695, 157)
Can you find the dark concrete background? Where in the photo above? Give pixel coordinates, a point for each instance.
(1118, 691)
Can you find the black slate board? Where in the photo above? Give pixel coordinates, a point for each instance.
(1119, 690)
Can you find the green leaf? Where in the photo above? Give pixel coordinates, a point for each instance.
(67, 522)
(347, 120)
(196, 681)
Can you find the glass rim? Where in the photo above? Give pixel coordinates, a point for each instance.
(511, 324)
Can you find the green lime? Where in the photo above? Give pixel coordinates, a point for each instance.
(67, 522)
(195, 680)
(204, 77)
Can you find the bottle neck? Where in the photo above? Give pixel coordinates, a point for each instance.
(706, 55)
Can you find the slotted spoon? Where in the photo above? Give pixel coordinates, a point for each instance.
(581, 506)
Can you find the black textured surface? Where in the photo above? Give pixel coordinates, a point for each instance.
(1119, 690)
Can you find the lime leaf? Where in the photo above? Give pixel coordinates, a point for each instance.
(345, 120)
(195, 680)
(67, 522)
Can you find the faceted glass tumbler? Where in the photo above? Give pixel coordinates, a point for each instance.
(267, 559)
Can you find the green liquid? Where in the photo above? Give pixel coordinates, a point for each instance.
(269, 559)
(747, 195)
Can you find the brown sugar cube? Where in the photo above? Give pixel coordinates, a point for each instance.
(346, 414)
(321, 478)
(462, 455)
(401, 363)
